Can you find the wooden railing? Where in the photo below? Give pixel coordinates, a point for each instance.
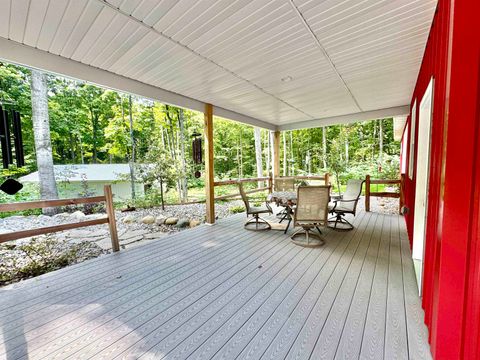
(270, 183)
(42, 204)
(396, 195)
(268, 179)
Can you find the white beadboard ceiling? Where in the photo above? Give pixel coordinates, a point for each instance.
(341, 57)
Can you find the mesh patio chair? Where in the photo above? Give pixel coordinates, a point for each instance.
(310, 213)
(256, 223)
(284, 184)
(345, 204)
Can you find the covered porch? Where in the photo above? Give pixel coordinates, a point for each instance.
(224, 292)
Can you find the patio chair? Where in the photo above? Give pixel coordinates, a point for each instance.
(284, 184)
(256, 223)
(345, 204)
(310, 213)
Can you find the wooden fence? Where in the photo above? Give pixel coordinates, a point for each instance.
(396, 195)
(42, 204)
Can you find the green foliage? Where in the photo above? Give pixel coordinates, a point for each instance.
(235, 209)
(90, 124)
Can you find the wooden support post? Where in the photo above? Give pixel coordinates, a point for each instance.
(270, 183)
(367, 193)
(276, 154)
(209, 179)
(112, 224)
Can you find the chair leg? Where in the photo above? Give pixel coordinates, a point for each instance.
(288, 225)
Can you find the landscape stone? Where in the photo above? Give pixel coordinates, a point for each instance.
(77, 215)
(171, 221)
(149, 219)
(160, 220)
(194, 223)
(129, 219)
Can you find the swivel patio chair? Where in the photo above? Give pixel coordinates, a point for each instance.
(345, 204)
(256, 223)
(310, 213)
(284, 184)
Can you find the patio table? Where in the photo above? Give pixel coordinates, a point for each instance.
(286, 199)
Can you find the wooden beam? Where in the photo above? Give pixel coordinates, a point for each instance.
(276, 154)
(209, 180)
(49, 203)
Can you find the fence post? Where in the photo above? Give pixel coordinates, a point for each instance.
(367, 193)
(270, 183)
(112, 224)
(327, 179)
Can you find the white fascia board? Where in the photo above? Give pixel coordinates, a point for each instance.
(14, 52)
(347, 119)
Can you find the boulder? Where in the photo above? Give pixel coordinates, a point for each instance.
(171, 221)
(129, 219)
(194, 223)
(149, 219)
(160, 220)
(77, 215)
(183, 223)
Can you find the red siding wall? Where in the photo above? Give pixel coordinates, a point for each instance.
(450, 302)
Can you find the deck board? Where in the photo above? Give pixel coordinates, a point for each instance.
(222, 292)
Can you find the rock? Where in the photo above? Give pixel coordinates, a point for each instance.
(149, 219)
(171, 221)
(194, 223)
(128, 219)
(133, 234)
(61, 215)
(183, 223)
(160, 220)
(77, 215)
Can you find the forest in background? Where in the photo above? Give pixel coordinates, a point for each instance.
(89, 124)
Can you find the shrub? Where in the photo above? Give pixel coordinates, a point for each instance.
(236, 209)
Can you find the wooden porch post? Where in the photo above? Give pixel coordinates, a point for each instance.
(276, 154)
(209, 187)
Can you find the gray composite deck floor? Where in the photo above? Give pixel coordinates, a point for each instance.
(221, 292)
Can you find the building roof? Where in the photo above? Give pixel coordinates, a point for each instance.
(91, 172)
(271, 63)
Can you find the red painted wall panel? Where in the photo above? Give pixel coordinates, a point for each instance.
(451, 284)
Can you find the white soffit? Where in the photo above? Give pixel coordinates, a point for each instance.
(339, 57)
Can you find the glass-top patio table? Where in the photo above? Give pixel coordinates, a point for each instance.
(286, 199)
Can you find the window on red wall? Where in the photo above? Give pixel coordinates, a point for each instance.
(404, 149)
(412, 140)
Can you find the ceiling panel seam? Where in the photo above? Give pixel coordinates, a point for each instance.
(322, 49)
(119, 11)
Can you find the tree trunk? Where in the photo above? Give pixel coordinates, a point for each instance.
(292, 166)
(284, 135)
(258, 153)
(181, 125)
(132, 155)
(380, 142)
(41, 132)
(324, 147)
(346, 151)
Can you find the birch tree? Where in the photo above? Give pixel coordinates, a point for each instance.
(258, 153)
(41, 133)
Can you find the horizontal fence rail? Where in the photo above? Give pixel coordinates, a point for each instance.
(42, 204)
(384, 194)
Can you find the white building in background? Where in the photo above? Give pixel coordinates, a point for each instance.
(73, 180)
